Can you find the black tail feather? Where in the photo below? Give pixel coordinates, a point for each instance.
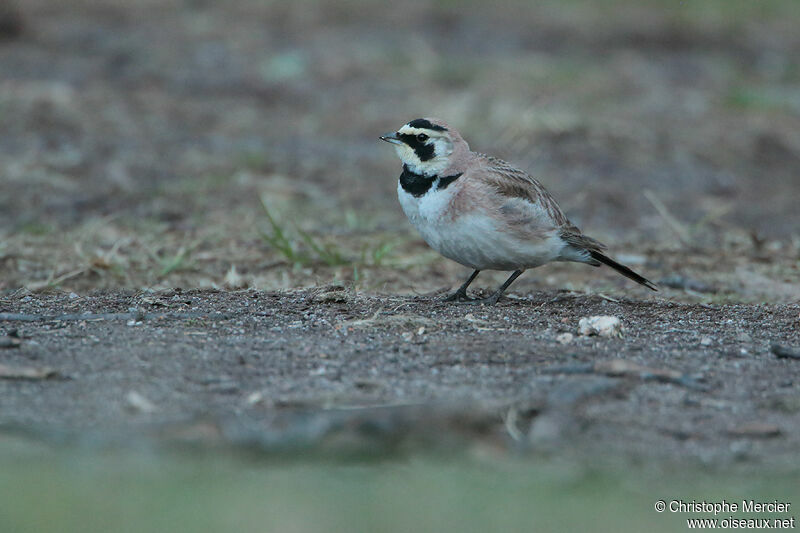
(622, 269)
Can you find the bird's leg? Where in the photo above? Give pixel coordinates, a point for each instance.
(491, 300)
(461, 294)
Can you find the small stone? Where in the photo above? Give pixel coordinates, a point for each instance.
(706, 341)
(548, 431)
(760, 430)
(72, 296)
(27, 372)
(565, 338)
(137, 402)
(603, 326)
(254, 398)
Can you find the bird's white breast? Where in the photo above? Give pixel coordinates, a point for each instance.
(476, 238)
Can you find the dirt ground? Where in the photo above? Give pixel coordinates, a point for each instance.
(200, 239)
(334, 370)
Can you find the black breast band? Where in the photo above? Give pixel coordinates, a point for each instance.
(418, 184)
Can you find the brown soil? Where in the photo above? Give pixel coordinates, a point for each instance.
(141, 142)
(332, 369)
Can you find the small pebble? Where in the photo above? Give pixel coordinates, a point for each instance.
(254, 398)
(137, 402)
(603, 326)
(565, 338)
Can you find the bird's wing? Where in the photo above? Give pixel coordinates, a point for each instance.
(517, 185)
(511, 182)
(529, 204)
(576, 239)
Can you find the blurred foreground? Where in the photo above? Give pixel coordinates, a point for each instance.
(50, 491)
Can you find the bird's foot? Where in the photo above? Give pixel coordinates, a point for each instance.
(462, 298)
(459, 297)
(489, 300)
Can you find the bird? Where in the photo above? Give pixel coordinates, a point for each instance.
(484, 213)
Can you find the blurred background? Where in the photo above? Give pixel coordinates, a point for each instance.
(197, 143)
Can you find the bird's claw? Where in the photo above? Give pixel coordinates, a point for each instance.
(460, 297)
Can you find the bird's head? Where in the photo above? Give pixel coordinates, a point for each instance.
(426, 145)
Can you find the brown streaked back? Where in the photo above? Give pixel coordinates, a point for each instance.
(515, 183)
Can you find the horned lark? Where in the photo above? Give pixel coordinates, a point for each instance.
(482, 212)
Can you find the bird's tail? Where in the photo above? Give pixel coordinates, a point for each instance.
(622, 269)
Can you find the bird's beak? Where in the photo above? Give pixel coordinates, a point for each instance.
(391, 138)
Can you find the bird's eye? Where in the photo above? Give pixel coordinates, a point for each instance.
(422, 137)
